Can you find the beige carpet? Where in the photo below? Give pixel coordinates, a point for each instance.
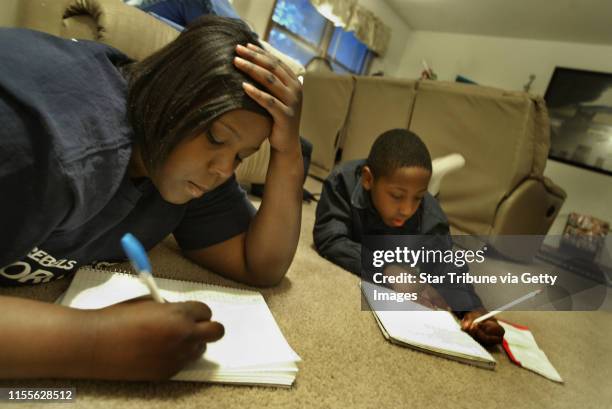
(348, 363)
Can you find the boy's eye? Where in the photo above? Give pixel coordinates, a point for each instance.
(396, 197)
(212, 139)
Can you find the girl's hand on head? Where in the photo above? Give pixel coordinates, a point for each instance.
(284, 100)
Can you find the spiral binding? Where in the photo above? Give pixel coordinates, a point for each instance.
(132, 273)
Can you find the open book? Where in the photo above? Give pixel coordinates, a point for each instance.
(253, 350)
(434, 332)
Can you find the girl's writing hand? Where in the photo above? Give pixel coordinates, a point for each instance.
(145, 340)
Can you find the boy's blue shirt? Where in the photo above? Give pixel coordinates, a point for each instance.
(345, 214)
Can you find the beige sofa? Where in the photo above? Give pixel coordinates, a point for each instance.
(504, 137)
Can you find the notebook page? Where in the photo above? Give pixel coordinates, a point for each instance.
(93, 289)
(252, 337)
(435, 330)
(526, 350)
(427, 329)
(282, 374)
(264, 379)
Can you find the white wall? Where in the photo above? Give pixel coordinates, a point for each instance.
(497, 61)
(400, 32)
(506, 63)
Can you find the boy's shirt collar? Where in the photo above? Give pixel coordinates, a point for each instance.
(360, 198)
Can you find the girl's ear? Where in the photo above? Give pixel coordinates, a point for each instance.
(367, 178)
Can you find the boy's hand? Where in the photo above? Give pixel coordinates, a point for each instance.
(431, 298)
(145, 340)
(487, 332)
(284, 102)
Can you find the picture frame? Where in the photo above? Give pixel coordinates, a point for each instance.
(579, 104)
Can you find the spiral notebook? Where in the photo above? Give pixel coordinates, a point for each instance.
(253, 350)
(433, 332)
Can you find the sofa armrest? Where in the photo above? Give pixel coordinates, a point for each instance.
(130, 30)
(554, 189)
(440, 167)
(529, 209)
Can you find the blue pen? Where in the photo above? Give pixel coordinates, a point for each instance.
(138, 257)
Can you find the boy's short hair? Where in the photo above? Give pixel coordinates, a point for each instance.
(397, 148)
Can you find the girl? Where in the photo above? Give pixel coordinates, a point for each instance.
(93, 145)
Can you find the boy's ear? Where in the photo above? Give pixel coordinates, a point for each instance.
(367, 178)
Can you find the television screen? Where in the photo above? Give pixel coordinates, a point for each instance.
(580, 107)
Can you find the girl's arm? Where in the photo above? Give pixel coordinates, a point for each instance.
(263, 254)
(134, 340)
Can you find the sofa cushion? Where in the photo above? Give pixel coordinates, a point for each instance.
(376, 107)
(493, 129)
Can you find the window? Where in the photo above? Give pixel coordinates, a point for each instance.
(298, 30)
(346, 52)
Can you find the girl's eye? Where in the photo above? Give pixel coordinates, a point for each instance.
(396, 197)
(212, 139)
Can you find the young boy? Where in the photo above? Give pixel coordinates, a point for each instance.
(387, 194)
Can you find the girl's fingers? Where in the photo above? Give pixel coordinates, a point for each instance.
(267, 79)
(273, 105)
(195, 310)
(274, 64)
(208, 331)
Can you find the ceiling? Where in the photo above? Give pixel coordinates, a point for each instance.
(584, 21)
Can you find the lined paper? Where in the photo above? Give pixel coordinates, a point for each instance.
(253, 349)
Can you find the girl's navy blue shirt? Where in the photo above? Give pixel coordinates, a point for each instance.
(65, 146)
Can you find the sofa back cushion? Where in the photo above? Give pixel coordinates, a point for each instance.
(494, 130)
(325, 108)
(378, 104)
(130, 30)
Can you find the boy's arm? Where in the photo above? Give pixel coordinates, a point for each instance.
(332, 228)
(460, 297)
